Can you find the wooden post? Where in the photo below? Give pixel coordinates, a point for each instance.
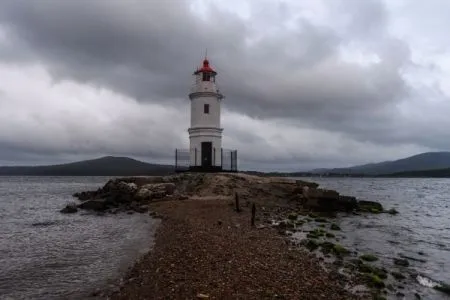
(236, 198)
(253, 214)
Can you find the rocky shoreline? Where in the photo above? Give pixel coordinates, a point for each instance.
(207, 247)
(133, 194)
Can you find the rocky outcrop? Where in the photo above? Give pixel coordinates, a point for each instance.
(370, 206)
(69, 209)
(134, 193)
(155, 191)
(323, 200)
(128, 194)
(95, 204)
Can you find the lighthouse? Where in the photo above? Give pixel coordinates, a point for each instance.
(205, 152)
(205, 133)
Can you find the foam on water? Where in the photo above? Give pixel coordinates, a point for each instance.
(425, 281)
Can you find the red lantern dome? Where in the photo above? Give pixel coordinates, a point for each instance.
(206, 68)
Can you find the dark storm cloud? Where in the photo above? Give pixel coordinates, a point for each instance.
(148, 49)
(144, 49)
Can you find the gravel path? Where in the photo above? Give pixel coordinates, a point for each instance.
(206, 250)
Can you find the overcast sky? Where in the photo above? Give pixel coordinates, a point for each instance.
(308, 83)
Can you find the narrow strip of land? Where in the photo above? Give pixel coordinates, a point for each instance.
(205, 249)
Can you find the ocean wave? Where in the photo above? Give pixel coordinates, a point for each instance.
(47, 223)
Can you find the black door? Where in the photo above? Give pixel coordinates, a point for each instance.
(206, 154)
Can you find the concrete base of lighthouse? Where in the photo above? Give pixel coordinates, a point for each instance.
(205, 153)
(211, 169)
(205, 148)
(183, 163)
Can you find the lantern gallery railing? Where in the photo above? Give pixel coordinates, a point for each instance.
(191, 160)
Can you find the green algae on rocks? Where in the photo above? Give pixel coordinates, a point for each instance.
(321, 220)
(340, 250)
(444, 288)
(398, 275)
(369, 206)
(368, 257)
(292, 216)
(335, 227)
(311, 244)
(375, 281)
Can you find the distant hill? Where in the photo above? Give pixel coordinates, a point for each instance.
(436, 173)
(420, 162)
(104, 166)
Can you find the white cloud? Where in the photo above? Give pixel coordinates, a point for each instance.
(39, 114)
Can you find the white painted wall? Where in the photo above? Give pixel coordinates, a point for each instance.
(199, 118)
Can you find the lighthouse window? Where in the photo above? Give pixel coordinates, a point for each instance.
(206, 108)
(206, 76)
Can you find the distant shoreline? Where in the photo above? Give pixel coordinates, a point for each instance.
(280, 175)
(124, 166)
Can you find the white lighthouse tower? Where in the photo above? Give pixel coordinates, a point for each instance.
(205, 153)
(205, 133)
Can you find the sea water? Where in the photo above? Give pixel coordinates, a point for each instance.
(420, 232)
(45, 254)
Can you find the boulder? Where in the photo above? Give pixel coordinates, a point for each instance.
(121, 191)
(369, 206)
(158, 194)
(142, 209)
(155, 215)
(298, 189)
(69, 209)
(323, 194)
(124, 187)
(144, 194)
(83, 196)
(326, 200)
(111, 184)
(182, 197)
(320, 199)
(168, 188)
(392, 211)
(347, 203)
(155, 191)
(401, 262)
(97, 205)
(302, 183)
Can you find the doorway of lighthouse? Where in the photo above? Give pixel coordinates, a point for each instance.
(206, 154)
